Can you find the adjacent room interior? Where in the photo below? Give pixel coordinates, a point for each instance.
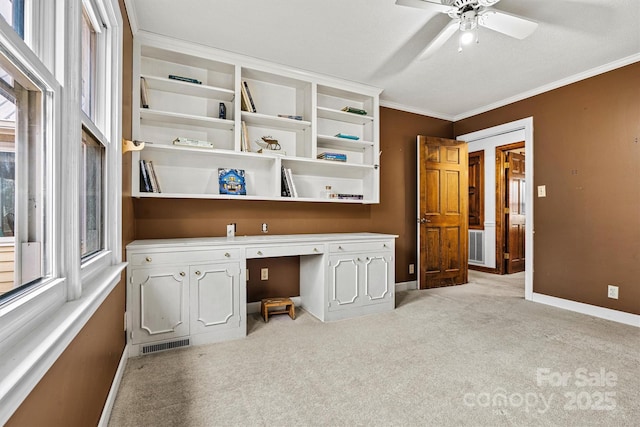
(453, 220)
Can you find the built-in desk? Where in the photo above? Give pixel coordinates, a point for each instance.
(193, 291)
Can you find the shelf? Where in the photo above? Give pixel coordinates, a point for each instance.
(191, 89)
(343, 143)
(189, 110)
(165, 117)
(342, 116)
(327, 168)
(257, 119)
(175, 150)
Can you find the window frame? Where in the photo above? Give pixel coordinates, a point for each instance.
(39, 325)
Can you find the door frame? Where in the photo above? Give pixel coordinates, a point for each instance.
(525, 125)
(501, 194)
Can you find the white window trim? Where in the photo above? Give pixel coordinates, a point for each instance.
(37, 328)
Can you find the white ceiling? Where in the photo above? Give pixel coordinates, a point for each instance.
(377, 42)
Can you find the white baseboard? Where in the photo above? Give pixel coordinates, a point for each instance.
(407, 286)
(115, 384)
(591, 310)
(254, 307)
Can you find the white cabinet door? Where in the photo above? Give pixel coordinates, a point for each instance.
(215, 296)
(377, 277)
(344, 289)
(163, 310)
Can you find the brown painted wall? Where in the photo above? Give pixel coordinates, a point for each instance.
(73, 392)
(587, 153)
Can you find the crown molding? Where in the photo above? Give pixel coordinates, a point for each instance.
(524, 95)
(414, 110)
(551, 86)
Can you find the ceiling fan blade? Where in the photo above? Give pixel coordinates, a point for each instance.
(425, 4)
(505, 23)
(440, 39)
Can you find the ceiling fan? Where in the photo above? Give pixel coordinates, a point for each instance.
(467, 16)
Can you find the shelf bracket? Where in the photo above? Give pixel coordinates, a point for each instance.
(129, 145)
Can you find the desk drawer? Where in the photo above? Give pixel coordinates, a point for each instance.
(181, 257)
(286, 250)
(360, 247)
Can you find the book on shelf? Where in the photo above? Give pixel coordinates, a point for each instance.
(251, 104)
(354, 110)
(339, 157)
(347, 136)
(148, 178)
(244, 100)
(145, 182)
(285, 191)
(292, 184)
(349, 196)
(184, 79)
(231, 181)
(190, 142)
(245, 145)
(144, 93)
(290, 116)
(153, 183)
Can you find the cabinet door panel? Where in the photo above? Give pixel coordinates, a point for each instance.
(377, 283)
(163, 311)
(215, 298)
(344, 277)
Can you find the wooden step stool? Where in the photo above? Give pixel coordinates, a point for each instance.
(267, 303)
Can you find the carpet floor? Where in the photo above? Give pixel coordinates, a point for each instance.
(470, 355)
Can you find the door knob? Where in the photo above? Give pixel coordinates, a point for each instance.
(423, 220)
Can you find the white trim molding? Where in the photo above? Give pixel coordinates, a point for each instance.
(113, 391)
(525, 125)
(407, 286)
(619, 63)
(588, 309)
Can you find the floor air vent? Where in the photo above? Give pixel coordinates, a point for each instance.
(476, 246)
(164, 346)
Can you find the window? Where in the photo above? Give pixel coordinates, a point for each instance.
(24, 245)
(91, 195)
(13, 12)
(94, 141)
(60, 180)
(88, 64)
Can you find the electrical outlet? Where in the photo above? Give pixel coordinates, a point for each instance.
(264, 274)
(612, 292)
(411, 268)
(265, 227)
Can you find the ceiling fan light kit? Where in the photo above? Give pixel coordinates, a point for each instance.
(466, 16)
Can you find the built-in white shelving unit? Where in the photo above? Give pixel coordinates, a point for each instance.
(185, 109)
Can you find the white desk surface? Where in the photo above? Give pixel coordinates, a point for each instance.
(257, 240)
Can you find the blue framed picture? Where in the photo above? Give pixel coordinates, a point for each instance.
(232, 181)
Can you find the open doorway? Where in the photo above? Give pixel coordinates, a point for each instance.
(486, 238)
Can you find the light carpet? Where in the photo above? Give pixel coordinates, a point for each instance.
(476, 354)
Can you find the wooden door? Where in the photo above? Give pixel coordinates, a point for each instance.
(514, 213)
(443, 211)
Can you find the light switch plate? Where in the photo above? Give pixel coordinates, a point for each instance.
(542, 191)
